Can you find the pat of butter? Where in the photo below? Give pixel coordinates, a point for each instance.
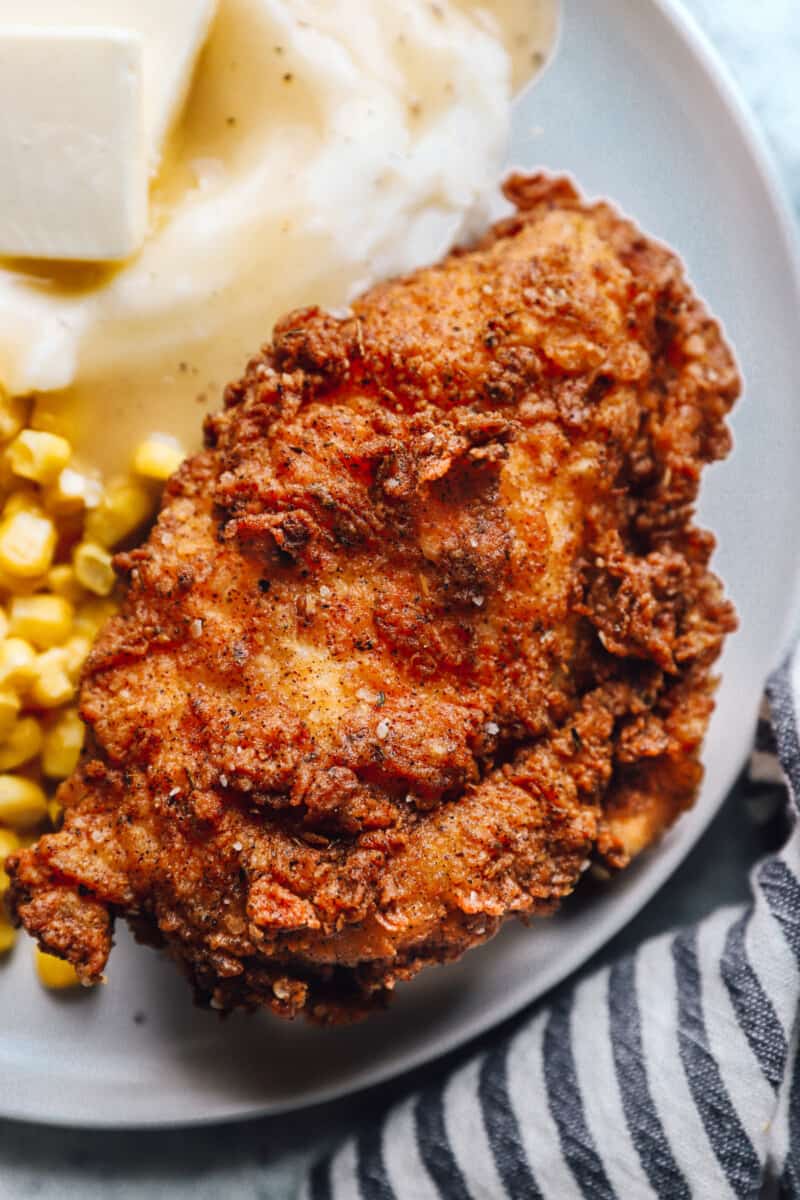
(73, 163)
(173, 33)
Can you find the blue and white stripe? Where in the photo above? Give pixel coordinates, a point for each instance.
(674, 1073)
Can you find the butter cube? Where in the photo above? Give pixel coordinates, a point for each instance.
(74, 177)
(173, 33)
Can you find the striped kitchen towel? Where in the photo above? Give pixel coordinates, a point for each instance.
(673, 1073)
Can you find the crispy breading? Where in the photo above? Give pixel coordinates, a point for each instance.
(424, 630)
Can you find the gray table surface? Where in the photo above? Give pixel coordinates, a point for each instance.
(262, 1160)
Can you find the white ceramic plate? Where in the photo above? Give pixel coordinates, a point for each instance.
(637, 108)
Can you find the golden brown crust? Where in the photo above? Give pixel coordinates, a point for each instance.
(425, 628)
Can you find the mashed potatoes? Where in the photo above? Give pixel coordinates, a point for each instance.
(326, 143)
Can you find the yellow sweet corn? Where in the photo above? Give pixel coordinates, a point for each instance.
(39, 456)
(43, 620)
(93, 568)
(22, 499)
(158, 457)
(51, 685)
(124, 507)
(22, 743)
(53, 609)
(13, 415)
(23, 803)
(54, 972)
(21, 587)
(76, 651)
(27, 542)
(72, 492)
(8, 935)
(50, 414)
(63, 743)
(9, 842)
(61, 580)
(9, 710)
(17, 659)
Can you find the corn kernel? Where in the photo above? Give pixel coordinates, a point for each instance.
(61, 581)
(124, 507)
(43, 620)
(63, 743)
(13, 415)
(51, 414)
(54, 972)
(27, 542)
(72, 492)
(91, 617)
(8, 935)
(93, 568)
(9, 842)
(22, 499)
(51, 684)
(15, 585)
(22, 743)
(9, 710)
(23, 803)
(76, 651)
(158, 457)
(38, 456)
(17, 661)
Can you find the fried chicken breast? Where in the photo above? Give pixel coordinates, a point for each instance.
(424, 630)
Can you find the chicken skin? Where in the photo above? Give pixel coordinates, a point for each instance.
(424, 631)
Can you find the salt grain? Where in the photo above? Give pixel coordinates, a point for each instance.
(382, 729)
